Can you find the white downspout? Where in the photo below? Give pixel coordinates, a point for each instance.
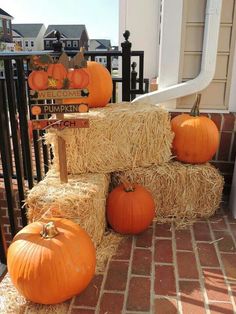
(208, 63)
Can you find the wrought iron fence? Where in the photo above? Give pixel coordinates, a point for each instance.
(27, 160)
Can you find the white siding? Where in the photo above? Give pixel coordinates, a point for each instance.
(216, 96)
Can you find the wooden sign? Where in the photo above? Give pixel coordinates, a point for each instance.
(59, 124)
(58, 108)
(56, 80)
(58, 93)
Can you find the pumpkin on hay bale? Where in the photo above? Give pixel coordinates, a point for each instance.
(182, 192)
(60, 245)
(196, 137)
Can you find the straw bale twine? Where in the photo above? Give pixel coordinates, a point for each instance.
(182, 192)
(120, 136)
(82, 200)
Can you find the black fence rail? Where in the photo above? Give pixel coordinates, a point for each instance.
(25, 158)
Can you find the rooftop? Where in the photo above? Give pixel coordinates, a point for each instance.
(2, 12)
(27, 30)
(67, 30)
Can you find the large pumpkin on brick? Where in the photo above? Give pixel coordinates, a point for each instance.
(51, 262)
(196, 137)
(130, 208)
(99, 86)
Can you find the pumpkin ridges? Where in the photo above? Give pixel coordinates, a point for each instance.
(57, 250)
(197, 133)
(130, 212)
(196, 137)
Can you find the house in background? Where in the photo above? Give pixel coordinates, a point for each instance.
(5, 31)
(100, 45)
(28, 36)
(73, 37)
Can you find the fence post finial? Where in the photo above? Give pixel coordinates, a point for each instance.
(126, 62)
(57, 46)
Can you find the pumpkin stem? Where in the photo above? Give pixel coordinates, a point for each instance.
(195, 110)
(49, 230)
(128, 187)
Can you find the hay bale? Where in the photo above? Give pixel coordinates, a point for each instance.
(82, 200)
(120, 136)
(182, 192)
(11, 302)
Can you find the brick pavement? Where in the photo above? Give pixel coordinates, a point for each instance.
(168, 271)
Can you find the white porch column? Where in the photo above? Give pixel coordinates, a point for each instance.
(170, 45)
(142, 19)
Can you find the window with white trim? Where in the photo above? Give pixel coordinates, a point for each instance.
(75, 43)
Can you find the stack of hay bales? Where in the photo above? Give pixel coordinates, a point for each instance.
(120, 137)
(123, 141)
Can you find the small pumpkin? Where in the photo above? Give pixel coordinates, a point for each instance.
(78, 78)
(38, 80)
(57, 75)
(196, 137)
(130, 208)
(99, 87)
(50, 263)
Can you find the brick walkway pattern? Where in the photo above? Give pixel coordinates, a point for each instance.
(167, 271)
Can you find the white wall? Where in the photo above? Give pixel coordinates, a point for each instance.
(232, 93)
(141, 18)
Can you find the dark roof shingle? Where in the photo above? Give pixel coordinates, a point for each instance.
(2, 12)
(68, 30)
(27, 30)
(102, 43)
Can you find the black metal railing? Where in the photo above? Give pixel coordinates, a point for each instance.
(26, 160)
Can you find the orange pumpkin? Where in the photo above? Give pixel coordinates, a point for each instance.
(78, 78)
(130, 208)
(38, 80)
(50, 263)
(196, 137)
(99, 87)
(57, 74)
